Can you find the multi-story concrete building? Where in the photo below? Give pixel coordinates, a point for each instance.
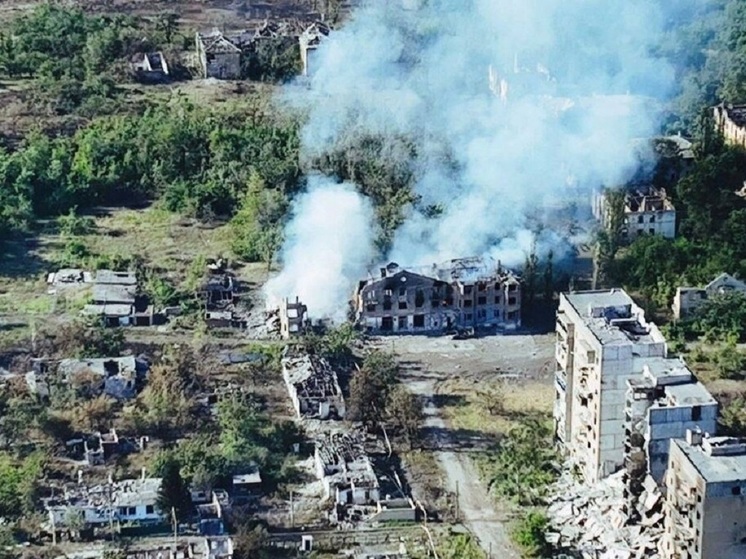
(705, 504)
(647, 211)
(467, 292)
(619, 398)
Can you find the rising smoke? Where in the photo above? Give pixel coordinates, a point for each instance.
(538, 102)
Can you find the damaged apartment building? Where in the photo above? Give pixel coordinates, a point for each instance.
(619, 397)
(646, 211)
(461, 293)
(313, 386)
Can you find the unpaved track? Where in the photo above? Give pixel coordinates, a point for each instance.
(427, 362)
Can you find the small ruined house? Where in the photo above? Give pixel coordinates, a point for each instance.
(345, 469)
(115, 298)
(247, 485)
(313, 386)
(688, 299)
(647, 211)
(150, 67)
(118, 376)
(730, 121)
(293, 318)
(219, 56)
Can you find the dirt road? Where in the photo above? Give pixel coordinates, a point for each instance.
(430, 361)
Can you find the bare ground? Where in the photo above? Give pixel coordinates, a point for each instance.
(432, 368)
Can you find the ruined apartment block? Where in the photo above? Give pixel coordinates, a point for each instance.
(313, 386)
(600, 334)
(664, 403)
(705, 506)
(647, 211)
(462, 293)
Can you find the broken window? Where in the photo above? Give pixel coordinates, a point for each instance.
(449, 301)
(640, 218)
(696, 413)
(387, 324)
(402, 305)
(387, 305)
(419, 298)
(468, 316)
(402, 291)
(511, 301)
(736, 490)
(496, 314)
(512, 287)
(497, 299)
(512, 315)
(481, 287)
(652, 231)
(370, 307)
(402, 323)
(482, 301)
(482, 313)
(584, 403)
(468, 289)
(467, 303)
(387, 293)
(435, 303)
(652, 219)
(149, 509)
(419, 321)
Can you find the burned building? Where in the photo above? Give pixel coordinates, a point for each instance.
(647, 211)
(293, 318)
(313, 386)
(309, 41)
(705, 510)
(462, 293)
(730, 122)
(150, 67)
(220, 294)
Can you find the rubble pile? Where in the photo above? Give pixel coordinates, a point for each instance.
(592, 520)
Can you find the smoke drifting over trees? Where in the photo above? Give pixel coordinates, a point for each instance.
(509, 109)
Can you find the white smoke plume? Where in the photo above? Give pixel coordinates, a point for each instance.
(328, 241)
(538, 102)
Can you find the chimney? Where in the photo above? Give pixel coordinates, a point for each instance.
(694, 437)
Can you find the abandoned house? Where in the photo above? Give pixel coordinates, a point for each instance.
(117, 377)
(248, 485)
(688, 299)
(210, 512)
(68, 277)
(97, 448)
(150, 67)
(293, 318)
(647, 211)
(115, 298)
(601, 337)
(467, 292)
(309, 41)
(220, 295)
(126, 501)
(705, 509)
(219, 55)
(663, 403)
(313, 386)
(730, 122)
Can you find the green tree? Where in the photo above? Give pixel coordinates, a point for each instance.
(370, 388)
(405, 414)
(529, 534)
(173, 493)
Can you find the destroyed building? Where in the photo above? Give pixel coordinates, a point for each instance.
(619, 398)
(219, 56)
(150, 67)
(647, 211)
(293, 318)
(688, 299)
(313, 386)
(309, 41)
(730, 122)
(115, 298)
(126, 501)
(462, 293)
(705, 506)
(220, 295)
(68, 277)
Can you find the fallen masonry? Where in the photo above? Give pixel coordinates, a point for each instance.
(313, 386)
(591, 520)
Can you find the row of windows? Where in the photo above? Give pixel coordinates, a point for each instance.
(468, 290)
(132, 511)
(403, 305)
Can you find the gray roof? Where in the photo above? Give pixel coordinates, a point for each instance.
(120, 278)
(720, 468)
(123, 365)
(110, 293)
(582, 301)
(111, 309)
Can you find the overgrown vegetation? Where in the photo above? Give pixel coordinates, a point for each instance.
(529, 534)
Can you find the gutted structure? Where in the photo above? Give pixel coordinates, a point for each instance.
(730, 121)
(665, 402)
(688, 299)
(313, 386)
(115, 299)
(293, 318)
(309, 41)
(462, 293)
(646, 211)
(219, 56)
(150, 67)
(345, 469)
(705, 506)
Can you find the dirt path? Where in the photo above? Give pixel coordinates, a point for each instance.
(428, 363)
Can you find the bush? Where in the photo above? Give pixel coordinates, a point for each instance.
(529, 534)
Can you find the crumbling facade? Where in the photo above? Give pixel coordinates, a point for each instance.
(647, 211)
(313, 386)
(463, 293)
(219, 56)
(309, 41)
(150, 67)
(345, 469)
(705, 506)
(730, 122)
(688, 299)
(293, 318)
